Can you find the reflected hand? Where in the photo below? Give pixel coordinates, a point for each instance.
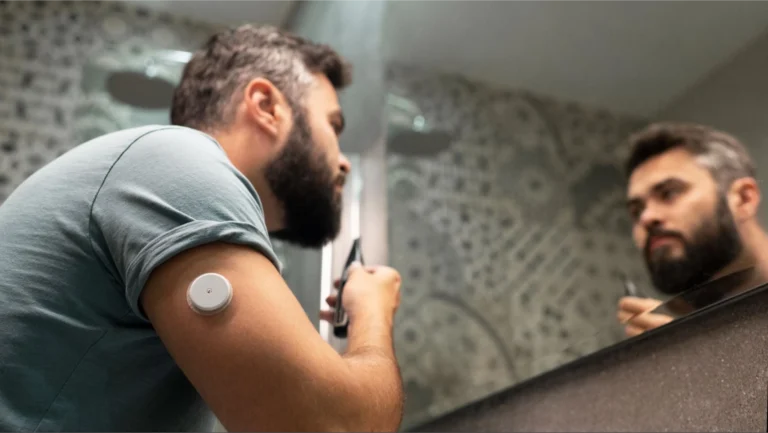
(636, 314)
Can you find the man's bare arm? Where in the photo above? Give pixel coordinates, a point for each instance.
(260, 364)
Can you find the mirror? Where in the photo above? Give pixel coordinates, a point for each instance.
(507, 147)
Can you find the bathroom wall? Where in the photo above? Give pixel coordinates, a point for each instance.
(510, 242)
(46, 48)
(734, 98)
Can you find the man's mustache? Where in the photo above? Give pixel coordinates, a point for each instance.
(656, 232)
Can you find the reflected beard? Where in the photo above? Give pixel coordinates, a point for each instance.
(715, 245)
(305, 186)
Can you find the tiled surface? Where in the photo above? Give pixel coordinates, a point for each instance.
(53, 56)
(509, 241)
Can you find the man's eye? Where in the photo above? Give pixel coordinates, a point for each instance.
(668, 194)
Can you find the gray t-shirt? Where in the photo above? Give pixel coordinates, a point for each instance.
(78, 240)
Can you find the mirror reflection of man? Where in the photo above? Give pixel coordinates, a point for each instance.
(693, 199)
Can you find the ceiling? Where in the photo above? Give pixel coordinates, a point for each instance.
(225, 12)
(629, 57)
(632, 57)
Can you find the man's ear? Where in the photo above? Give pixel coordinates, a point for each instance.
(744, 198)
(265, 105)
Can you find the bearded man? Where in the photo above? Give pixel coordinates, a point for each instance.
(693, 200)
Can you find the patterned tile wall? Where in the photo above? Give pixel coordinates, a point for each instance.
(53, 54)
(510, 241)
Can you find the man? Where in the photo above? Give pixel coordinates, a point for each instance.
(100, 247)
(693, 199)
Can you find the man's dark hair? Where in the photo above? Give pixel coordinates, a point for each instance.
(723, 155)
(214, 78)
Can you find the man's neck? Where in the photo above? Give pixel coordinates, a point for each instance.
(754, 253)
(744, 261)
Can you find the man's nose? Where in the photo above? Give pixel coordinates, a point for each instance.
(651, 217)
(344, 164)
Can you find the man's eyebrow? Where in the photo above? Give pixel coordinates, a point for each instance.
(634, 201)
(658, 186)
(670, 181)
(338, 117)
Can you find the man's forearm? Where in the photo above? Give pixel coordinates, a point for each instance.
(371, 359)
(370, 330)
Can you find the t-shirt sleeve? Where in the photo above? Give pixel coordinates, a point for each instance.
(171, 190)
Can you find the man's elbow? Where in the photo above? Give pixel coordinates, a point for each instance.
(373, 411)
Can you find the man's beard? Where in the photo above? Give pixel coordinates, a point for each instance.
(306, 187)
(713, 246)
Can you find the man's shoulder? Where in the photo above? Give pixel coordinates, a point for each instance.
(158, 138)
(181, 168)
(175, 155)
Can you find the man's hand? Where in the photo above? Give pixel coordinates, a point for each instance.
(370, 291)
(636, 314)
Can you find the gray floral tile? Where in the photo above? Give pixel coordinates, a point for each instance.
(511, 241)
(52, 99)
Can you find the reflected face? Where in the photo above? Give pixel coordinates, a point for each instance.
(681, 221)
(309, 173)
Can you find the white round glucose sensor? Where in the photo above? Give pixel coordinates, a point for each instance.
(209, 294)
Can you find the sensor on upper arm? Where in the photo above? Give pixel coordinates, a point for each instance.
(209, 294)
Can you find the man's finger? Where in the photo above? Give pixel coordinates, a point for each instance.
(326, 315)
(387, 273)
(633, 331)
(650, 320)
(636, 305)
(331, 300)
(624, 316)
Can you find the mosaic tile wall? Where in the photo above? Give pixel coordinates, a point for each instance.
(53, 54)
(510, 241)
